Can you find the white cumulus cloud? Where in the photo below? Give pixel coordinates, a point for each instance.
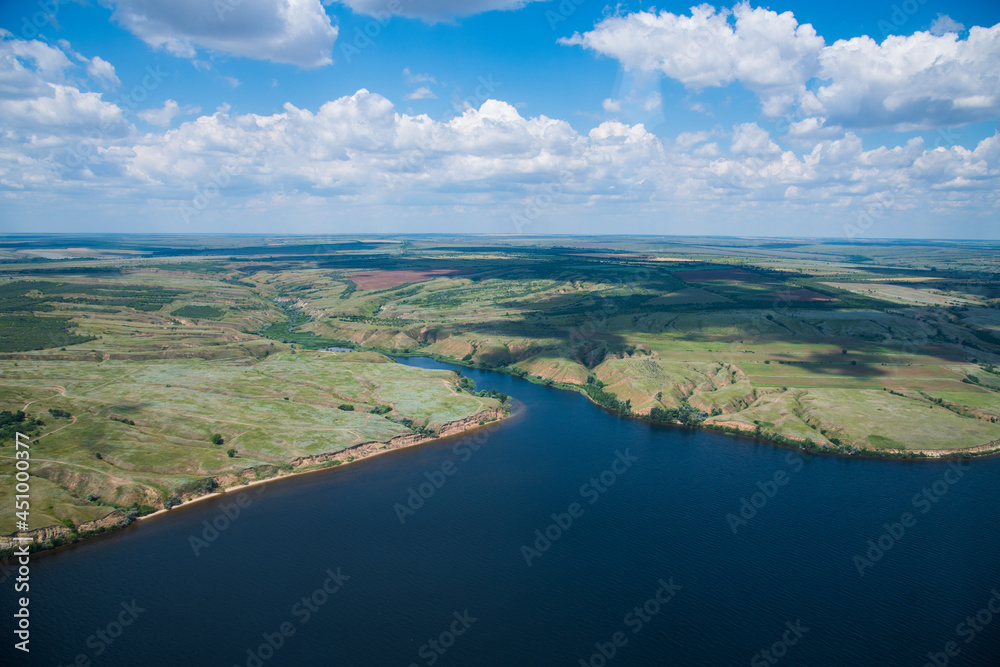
(421, 93)
(359, 155)
(165, 114)
(944, 23)
(298, 32)
(103, 71)
(921, 81)
(769, 53)
(432, 11)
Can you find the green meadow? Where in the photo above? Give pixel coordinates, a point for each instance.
(155, 350)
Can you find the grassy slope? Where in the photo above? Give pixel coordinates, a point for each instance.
(180, 380)
(659, 353)
(654, 333)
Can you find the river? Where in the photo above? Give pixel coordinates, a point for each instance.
(655, 545)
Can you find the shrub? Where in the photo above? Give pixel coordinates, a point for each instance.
(346, 407)
(231, 452)
(217, 439)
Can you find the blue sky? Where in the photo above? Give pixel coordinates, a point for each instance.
(853, 119)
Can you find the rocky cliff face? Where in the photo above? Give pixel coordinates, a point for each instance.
(43, 535)
(117, 518)
(367, 449)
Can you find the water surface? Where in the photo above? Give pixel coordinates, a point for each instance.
(404, 575)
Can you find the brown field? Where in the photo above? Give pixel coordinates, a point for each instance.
(383, 279)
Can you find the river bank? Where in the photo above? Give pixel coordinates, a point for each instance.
(54, 536)
(743, 429)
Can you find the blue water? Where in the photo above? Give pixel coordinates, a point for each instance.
(454, 571)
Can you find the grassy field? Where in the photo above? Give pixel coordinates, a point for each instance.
(150, 362)
(155, 344)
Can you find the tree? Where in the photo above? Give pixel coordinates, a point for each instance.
(346, 407)
(231, 452)
(217, 439)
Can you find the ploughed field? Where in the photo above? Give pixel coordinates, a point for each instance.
(143, 356)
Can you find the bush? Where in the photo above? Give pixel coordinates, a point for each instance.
(13, 422)
(346, 407)
(217, 439)
(685, 414)
(231, 452)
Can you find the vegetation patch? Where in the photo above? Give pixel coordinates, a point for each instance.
(22, 333)
(199, 312)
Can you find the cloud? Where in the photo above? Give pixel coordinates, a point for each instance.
(769, 53)
(612, 106)
(27, 67)
(653, 102)
(686, 140)
(360, 154)
(103, 71)
(232, 81)
(37, 97)
(421, 93)
(413, 79)
(921, 81)
(297, 32)
(944, 23)
(750, 139)
(162, 116)
(433, 11)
